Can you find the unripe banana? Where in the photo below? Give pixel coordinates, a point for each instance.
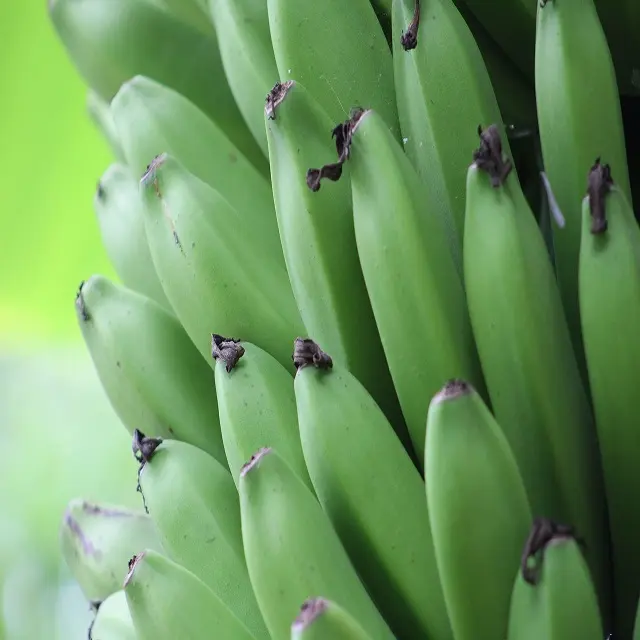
(153, 376)
(194, 504)
(110, 41)
(340, 55)
(415, 290)
(97, 541)
(609, 280)
(478, 510)
(242, 27)
(168, 602)
(102, 118)
(574, 71)
(534, 383)
(372, 493)
(256, 404)
(113, 620)
(321, 619)
(292, 549)
(555, 598)
(216, 271)
(119, 211)
(316, 230)
(190, 11)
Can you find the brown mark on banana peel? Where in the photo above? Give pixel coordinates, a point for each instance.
(409, 39)
(543, 532)
(275, 97)
(599, 185)
(229, 350)
(343, 134)
(488, 157)
(81, 307)
(307, 353)
(133, 563)
(311, 609)
(74, 527)
(254, 460)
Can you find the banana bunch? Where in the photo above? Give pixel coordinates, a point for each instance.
(374, 329)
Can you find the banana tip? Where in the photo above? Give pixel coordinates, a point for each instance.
(81, 307)
(133, 563)
(275, 97)
(452, 389)
(310, 611)
(254, 461)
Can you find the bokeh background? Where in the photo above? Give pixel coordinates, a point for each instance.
(59, 437)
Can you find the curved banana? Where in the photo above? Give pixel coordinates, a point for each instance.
(113, 620)
(154, 378)
(194, 504)
(609, 291)
(341, 55)
(192, 12)
(167, 602)
(216, 270)
(97, 541)
(478, 510)
(415, 289)
(321, 619)
(118, 209)
(256, 404)
(574, 71)
(372, 493)
(110, 41)
(292, 549)
(242, 28)
(100, 113)
(533, 379)
(316, 230)
(553, 595)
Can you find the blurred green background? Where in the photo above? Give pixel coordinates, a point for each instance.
(59, 437)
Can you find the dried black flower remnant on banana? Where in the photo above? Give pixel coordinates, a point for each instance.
(600, 183)
(488, 156)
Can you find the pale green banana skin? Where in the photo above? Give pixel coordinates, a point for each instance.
(110, 41)
(292, 549)
(167, 602)
(375, 502)
(318, 239)
(242, 27)
(100, 113)
(609, 280)
(479, 512)
(415, 290)
(153, 376)
(189, 11)
(540, 403)
(321, 54)
(98, 539)
(321, 619)
(194, 504)
(443, 80)
(574, 71)
(563, 604)
(217, 274)
(119, 211)
(113, 620)
(257, 404)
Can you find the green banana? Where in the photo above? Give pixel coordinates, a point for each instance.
(321, 619)
(189, 11)
(341, 55)
(574, 71)
(555, 598)
(256, 404)
(153, 376)
(415, 290)
(609, 281)
(168, 602)
(316, 230)
(110, 41)
(97, 541)
(242, 28)
(113, 620)
(118, 209)
(529, 365)
(375, 502)
(440, 78)
(100, 114)
(216, 270)
(478, 510)
(292, 549)
(194, 504)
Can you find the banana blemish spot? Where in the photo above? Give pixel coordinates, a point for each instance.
(254, 460)
(275, 97)
(309, 612)
(228, 350)
(599, 185)
(488, 157)
(307, 353)
(409, 39)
